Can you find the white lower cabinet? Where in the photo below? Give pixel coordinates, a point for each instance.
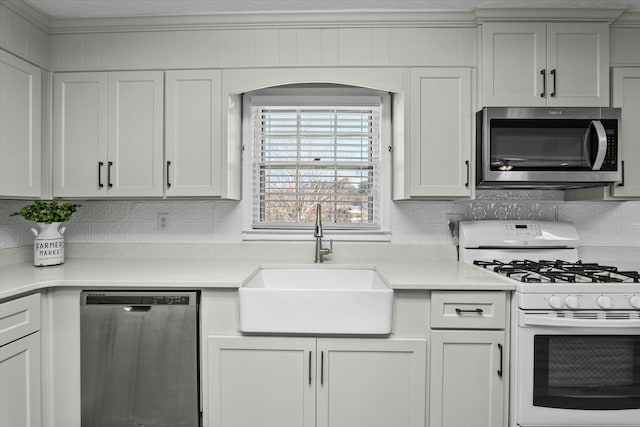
(469, 373)
(261, 381)
(324, 382)
(467, 386)
(20, 383)
(20, 386)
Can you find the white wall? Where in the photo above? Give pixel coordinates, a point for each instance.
(413, 222)
(410, 40)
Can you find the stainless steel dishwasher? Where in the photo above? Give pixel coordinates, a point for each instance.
(139, 359)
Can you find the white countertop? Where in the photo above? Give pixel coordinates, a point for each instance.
(421, 271)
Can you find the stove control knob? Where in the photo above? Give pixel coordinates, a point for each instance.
(635, 301)
(604, 302)
(572, 301)
(555, 302)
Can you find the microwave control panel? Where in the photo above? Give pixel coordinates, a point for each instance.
(611, 157)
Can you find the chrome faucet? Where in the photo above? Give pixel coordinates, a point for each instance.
(318, 234)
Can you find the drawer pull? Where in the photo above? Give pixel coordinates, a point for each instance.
(460, 311)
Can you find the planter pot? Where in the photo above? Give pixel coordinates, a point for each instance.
(48, 246)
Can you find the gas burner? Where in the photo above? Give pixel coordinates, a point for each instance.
(559, 271)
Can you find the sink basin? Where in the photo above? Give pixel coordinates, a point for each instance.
(316, 300)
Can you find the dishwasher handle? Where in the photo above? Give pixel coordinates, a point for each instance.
(136, 308)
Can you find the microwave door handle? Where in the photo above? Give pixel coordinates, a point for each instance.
(601, 134)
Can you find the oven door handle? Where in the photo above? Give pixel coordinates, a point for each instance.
(579, 323)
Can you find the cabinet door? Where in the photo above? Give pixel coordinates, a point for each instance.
(514, 55)
(578, 64)
(79, 134)
(20, 382)
(371, 382)
(134, 133)
(193, 145)
(261, 381)
(440, 147)
(626, 95)
(20, 127)
(468, 379)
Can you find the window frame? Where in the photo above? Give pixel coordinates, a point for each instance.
(318, 95)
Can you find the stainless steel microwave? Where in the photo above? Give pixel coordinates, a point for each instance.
(522, 147)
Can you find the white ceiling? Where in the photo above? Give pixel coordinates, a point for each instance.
(122, 8)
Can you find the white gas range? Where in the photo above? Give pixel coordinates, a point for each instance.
(575, 344)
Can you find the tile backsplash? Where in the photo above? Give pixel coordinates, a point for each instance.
(412, 222)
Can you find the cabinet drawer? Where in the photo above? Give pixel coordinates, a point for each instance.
(19, 318)
(468, 310)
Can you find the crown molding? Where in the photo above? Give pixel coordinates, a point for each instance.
(324, 19)
(628, 19)
(548, 15)
(28, 12)
(278, 20)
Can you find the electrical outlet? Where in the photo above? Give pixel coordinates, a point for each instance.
(453, 224)
(163, 221)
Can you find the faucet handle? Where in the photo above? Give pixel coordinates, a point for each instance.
(330, 246)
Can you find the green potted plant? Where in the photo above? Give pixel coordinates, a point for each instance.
(48, 245)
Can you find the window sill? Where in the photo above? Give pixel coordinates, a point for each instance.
(307, 235)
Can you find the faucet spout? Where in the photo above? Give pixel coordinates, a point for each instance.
(320, 252)
(317, 230)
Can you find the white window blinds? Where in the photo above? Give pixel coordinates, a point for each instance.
(308, 155)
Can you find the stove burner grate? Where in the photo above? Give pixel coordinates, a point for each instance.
(549, 271)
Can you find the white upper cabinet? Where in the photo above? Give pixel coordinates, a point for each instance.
(135, 133)
(435, 160)
(193, 150)
(108, 130)
(20, 127)
(626, 95)
(536, 64)
(80, 134)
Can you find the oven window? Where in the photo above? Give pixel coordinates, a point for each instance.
(591, 372)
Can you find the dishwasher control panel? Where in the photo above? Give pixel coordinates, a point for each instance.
(138, 298)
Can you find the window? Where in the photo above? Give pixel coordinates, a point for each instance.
(315, 146)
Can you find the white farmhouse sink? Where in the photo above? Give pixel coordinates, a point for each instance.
(318, 300)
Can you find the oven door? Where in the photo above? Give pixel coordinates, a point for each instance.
(577, 371)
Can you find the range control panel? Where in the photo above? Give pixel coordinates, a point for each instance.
(521, 230)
